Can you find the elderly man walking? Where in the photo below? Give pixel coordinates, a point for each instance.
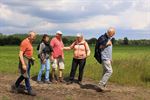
(25, 61)
(103, 54)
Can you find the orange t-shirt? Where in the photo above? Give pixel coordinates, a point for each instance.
(26, 47)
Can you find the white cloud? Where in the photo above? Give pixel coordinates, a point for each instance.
(15, 18)
(135, 20)
(130, 20)
(141, 5)
(43, 25)
(95, 22)
(76, 15)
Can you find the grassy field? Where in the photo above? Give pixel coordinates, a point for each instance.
(131, 64)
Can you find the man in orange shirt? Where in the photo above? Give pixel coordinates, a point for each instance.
(25, 61)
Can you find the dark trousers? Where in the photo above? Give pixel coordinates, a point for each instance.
(27, 79)
(75, 63)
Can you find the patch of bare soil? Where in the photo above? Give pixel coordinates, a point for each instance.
(87, 91)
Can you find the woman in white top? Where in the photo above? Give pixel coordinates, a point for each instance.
(81, 52)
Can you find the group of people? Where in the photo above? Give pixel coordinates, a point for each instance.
(51, 54)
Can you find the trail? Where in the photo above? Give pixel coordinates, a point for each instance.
(72, 92)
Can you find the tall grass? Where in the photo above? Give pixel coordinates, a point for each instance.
(131, 64)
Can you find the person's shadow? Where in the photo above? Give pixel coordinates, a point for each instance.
(21, 90)
(66, 79)
(91, 86)
(85, 86)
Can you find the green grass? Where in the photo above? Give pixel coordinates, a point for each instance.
(131, 64)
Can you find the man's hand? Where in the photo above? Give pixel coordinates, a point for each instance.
(109, 43)
(63, 57)
(24, 67)
(111, 61)
(52, 58)
(101, 47)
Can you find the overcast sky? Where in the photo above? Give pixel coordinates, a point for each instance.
(131, 18)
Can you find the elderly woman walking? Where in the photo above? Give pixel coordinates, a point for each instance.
(81, 52)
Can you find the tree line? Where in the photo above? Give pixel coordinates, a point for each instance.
(16, 39)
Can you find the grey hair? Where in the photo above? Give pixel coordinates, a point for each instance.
(30, 33)
(111, 29)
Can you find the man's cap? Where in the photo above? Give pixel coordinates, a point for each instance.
(59, 32)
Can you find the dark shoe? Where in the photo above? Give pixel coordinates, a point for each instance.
(21, 88)
(70, 82)
(47, 82)
(39, 82)
(80, 82)
(14, 89)
(61, 80)
(32, 93)
(54, 81)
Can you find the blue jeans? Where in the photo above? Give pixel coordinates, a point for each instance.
(43, 67)
(27, 78)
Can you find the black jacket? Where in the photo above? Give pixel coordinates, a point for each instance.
(102, 41)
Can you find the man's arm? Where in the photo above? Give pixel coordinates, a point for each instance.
(22, 60)
(109, 43)
(52, 45)
(102, 46)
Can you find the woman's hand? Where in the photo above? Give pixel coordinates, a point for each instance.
(66, 48)
(88, 54)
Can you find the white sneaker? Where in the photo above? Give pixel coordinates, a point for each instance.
(101, 87)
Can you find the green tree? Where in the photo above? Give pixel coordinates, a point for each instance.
(113, 40)
(92, 41)
(126, 41)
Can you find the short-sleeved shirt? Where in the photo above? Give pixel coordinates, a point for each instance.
(27, 48)
(57, 46)
(80, 49)
(107, 53)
